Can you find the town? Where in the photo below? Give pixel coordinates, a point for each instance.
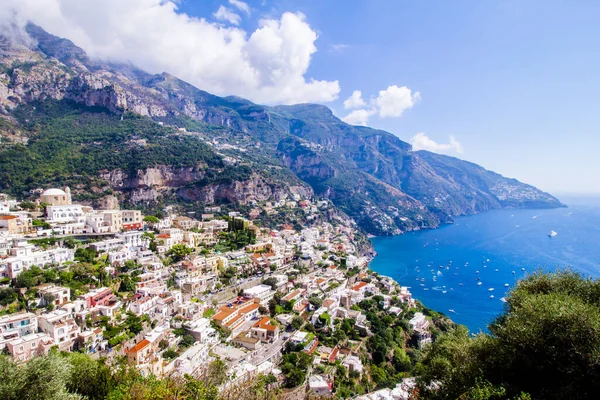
(171, 294)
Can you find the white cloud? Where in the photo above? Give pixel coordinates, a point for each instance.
(355, 100)
(268, 65)
(423, 142)
(225, 14)
(338, 47)
(240, 5)
(358, 117)
(393, 101)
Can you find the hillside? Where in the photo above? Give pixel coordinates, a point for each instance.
(67, 117)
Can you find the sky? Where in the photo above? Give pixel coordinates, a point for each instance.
(511, 85)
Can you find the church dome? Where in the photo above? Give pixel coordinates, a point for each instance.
(54, 192)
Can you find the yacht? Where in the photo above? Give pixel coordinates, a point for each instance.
(451, 310)
(479, 283)
(503, 299)
(491, 289)
(506, 285)
(492, 296)
(552, 234)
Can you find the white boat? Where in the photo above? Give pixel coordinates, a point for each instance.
(506, 285)
(552, 234)
(479, 283)
(502, 299)
(443, 291)
(439, 273)
(451, 310)
(522, 269)
(491, 289)
(492, 296)
(513, 272)
(496, 270)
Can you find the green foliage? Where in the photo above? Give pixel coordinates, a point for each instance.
(546, 344)
(178, 252)
(7, 296)
(70, 143)
(294, 366)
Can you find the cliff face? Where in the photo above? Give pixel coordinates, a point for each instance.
(370, 174)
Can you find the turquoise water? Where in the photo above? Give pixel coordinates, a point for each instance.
(440, 265)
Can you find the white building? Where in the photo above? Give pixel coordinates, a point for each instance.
(17, 325)
(263, 293)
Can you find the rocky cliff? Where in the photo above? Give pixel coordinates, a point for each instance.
(370, 174)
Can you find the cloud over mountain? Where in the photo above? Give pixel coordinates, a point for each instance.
(423, 142)
(391, 102)
(268, 65)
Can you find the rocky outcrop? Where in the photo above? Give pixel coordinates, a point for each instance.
(370, 174)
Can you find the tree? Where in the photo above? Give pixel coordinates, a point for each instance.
(179, 251)
(297, 322)
(271, 282)
(7, 296)
(186, 341)
(315, 301)
(151, 219)
(546, 344)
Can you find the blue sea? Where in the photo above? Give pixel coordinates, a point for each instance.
(441, 266)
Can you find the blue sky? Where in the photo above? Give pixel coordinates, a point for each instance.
(515, 83)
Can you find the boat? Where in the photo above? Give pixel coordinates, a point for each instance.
(492, 296)
(460, 284)
(425, 288)
(506, 285)
(522, 269)
(451, 310)
(552, 234)
(439, 273)
(479, 283)
(478, 279)
(503, 299)
(513, 272)
(476, 272)
(491, 289)
(496, 270)
(443, 291)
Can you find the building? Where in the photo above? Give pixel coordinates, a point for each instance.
(61, 295)
(61, 327)
(97, 297)
(26, 347)
(61, 214)
(265, 331)
(319, 386)
(131, 219)
(262, 293)
(16, 224)
(17, 325)
(56, 197)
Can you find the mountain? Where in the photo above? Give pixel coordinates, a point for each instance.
(113, 129)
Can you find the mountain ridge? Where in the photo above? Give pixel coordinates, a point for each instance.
(370, 174)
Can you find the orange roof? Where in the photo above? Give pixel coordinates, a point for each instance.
(163, 236)
(333, 355)
(332, 267)
(359, 286)
(291, 295)
(7, 217)
(320, 280)
(265, 323)
(328, 302)
(139, 346)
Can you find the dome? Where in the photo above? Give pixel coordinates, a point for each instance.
(54, 192)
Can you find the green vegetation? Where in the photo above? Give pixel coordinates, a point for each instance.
(546, 345)
(70, 143)
(75, 376)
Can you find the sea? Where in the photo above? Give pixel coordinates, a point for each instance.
(464, 269)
